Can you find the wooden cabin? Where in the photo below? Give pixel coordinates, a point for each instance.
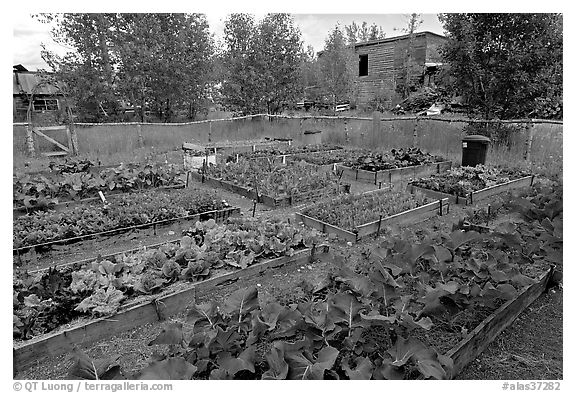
(381, 65)
(46, 98)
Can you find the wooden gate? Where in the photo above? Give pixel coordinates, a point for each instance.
(62, 149)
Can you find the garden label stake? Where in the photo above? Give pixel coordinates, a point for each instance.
(102, 197)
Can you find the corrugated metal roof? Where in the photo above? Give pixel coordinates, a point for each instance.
(27, 82)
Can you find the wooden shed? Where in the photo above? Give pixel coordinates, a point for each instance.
(381, 63)
(46, 105)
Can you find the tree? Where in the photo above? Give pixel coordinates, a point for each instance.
(413, 22)
(506, 65)
(86, 71)
(310, 74)
(337, 67)
(362, 33)
(261, 63)
(158, 61)
(240, 84)
(280, 49)
(164, 61)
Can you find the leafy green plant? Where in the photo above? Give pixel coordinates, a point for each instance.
(46, 300)
(40, 192)
(273, 179)
(464, 180)
(397, 158)
(350, 211)
(125, 211)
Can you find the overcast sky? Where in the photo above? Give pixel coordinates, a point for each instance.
(29, 34)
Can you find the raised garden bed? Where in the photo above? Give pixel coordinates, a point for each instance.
(467, 185)
(40, 192)
(277, 154)
(205, 256)
(413, 306)
(156, 308)
(21, 211)
(395, 175)
(354, 217)
(275, 185)
(125, 213)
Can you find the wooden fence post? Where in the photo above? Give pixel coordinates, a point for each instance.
(140, 137)
(30, 140)
(346, 135)
(210, 131)
(73, 137)
(415, 135)
(376, 123)
(301, 130)
(528, 151)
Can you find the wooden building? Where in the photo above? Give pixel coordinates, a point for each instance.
(46, 98)
(381, 65)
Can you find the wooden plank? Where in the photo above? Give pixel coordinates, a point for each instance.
(51, 128)
(500, 188)
(444, 166)
(56, 344)
(394, 175)
(436, 194)
(54, 153)
(325, 227)
(417, 214)
(65, 148)
(469, 348)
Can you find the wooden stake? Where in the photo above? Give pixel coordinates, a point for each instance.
(140, 137)
(379, 225)
(254, 208)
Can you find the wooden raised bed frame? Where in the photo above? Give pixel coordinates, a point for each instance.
(478, 339)
(266, 199)
(475, 196)
(218, 215)
(396, 175)
(21, 211)
(411, 216)
(129, 317)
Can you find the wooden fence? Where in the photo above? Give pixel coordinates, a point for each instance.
(535, 140)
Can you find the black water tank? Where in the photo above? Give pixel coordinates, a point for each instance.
(474, 148)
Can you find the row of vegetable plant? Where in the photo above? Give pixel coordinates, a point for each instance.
(350, 211)
(45, 300)
(396, 158)
(329, 157)
(463, 180)
(38, 191)
(270, 151)
(377, 320)
(124, 211)
(272, 179)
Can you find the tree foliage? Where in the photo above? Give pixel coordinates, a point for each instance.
(506, 65)
(361, 33)
(261, 63)
(337, 66)
(153, 61)
(413, 22)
